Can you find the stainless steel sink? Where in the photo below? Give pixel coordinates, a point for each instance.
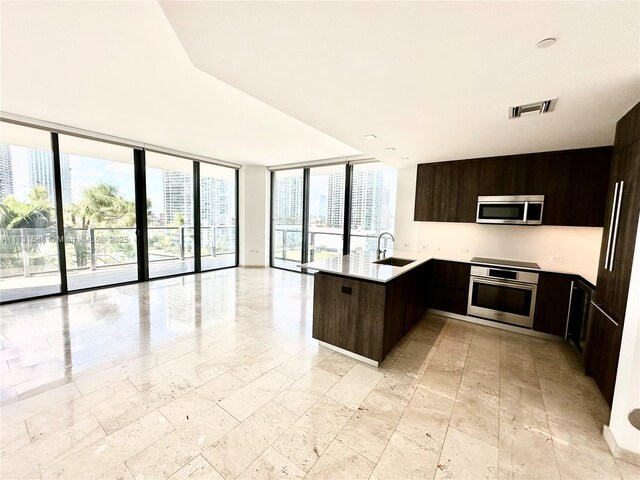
(394, 261)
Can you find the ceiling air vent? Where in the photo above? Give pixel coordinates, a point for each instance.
(535, 108)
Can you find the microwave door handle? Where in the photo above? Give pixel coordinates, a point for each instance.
(611, 224)
(615, 230)
(526, 212)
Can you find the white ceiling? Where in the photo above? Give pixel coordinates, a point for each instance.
(432, 79)
(118, 68)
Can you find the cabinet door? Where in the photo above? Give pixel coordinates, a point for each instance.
(567, 177)
(603, 351)
(552, 304)
(349, 314)
(613, 284)
(430, 192)
(451, 274)
(447, 192)
(503, 175)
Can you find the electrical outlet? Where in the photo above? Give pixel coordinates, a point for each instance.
(437, 249)
(557, 259)
(424, 247)
(464, 250)
(405, 245)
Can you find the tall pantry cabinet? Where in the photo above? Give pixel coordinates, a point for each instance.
(606, 317)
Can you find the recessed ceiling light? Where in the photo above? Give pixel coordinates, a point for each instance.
(389, 149)
(404, 158)
(371, 136)
(546, 43)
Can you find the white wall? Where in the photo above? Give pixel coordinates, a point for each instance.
(563, 249)
(254, 216)
(627, 391)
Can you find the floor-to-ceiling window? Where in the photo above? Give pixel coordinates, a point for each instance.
(286, 218)
(80, 210)
(326, 212)
(373, 206)
(217, 216)
(170, 215)
(29, 263)
(98, 197)
(310, 203)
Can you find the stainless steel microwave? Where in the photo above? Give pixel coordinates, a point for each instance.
(511, 210)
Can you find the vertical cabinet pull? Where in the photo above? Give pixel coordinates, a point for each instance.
(615, 230)
(611, 224)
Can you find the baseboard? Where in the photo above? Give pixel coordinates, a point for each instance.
(355, 356)
(617, 451)
(498, 325)
(253, 266)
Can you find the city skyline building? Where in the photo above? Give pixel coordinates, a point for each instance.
(287, 205)
(6, 171)
(217, 206)
(40, 164)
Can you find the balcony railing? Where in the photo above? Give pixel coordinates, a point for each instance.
(33, 251)
(288, 244)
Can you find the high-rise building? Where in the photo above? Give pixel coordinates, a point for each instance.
(177, 191)
(216, 205)
(287, 207)
(366, 200)
(6, 171)
(335, 200)
(41, 173)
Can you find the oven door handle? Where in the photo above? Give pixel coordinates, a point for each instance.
(504, 283)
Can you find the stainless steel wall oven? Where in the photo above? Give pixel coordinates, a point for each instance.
(507, 296)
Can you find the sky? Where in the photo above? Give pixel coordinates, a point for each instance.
(87, 172)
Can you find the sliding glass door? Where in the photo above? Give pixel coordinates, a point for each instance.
(320, 204)
(326, 212)
(169, 215)
(217, 216)
(98, 197)
(286, 217)
(29, 261)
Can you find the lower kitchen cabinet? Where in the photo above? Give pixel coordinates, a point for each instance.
(449, 286)
(552, 304)
(364, 317)
(602, 351)
(349, 314)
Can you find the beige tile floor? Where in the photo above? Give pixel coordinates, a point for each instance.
(216, 376)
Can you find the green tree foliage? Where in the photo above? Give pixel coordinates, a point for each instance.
(101, 206)
(37, 212)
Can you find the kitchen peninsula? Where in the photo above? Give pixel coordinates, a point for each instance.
(363, 308)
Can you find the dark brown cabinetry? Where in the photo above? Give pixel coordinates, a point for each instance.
(367, 318)
(348, 313)
(552, 304)
(606, 318)
(448, 191)
(449, 286)
(602, 351)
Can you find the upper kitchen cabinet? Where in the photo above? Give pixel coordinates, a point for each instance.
(449, 191)
(574, 183)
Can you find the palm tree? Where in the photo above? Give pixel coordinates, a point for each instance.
(100, 206)
(35, 213)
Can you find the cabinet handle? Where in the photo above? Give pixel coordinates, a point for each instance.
(606, 315)
(615, 231)
(611, 223)
(566, 330)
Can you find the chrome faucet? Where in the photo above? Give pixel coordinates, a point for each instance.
(382, 253)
